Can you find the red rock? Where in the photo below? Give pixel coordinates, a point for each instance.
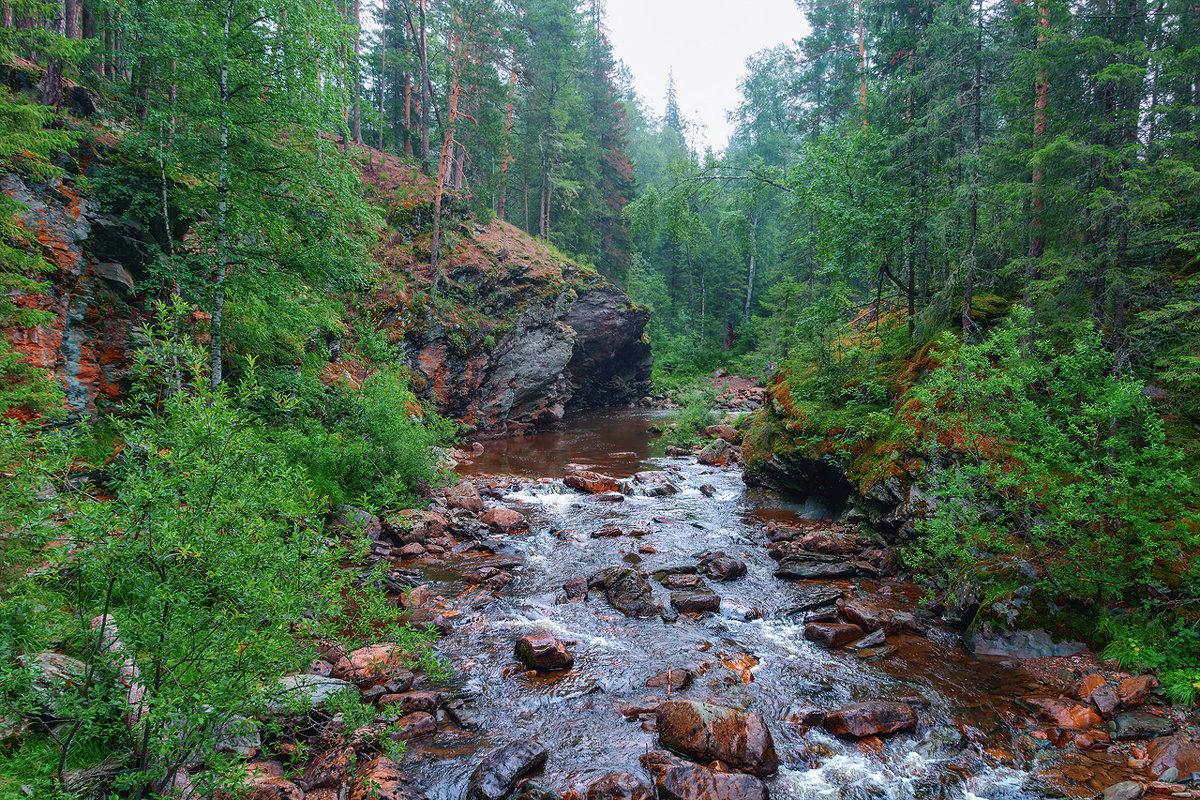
(592, 482)
(619, 786)
(380, 779)
(414, 726)
(873, 718)
(416, 597)
(1105, 700)
(1092, 740)
(464, 495)
(676, 779)
(829, 542)
(1135, 691)
(369, 666)
(544, 652)
(607, 532)
(410, 550)
(1082, 689)
(868, 616)
(274, 789)
(1173, 751)
(832, 634)
(708, 732)
(330, 768)
(409, 702)
(505, 520)
(676, 678)
(321, 794)
(1062, 713)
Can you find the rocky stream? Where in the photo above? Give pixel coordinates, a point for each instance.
(624, 624)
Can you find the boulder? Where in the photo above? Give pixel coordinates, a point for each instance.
(654, 483)
(350, 521)
(543, 652)
(576, 589)
(1082, 688)
(305, 691)
(1064, 714)
(720, 567)
(627, 590)
(505, 520)
(490, 578)
(717, 454)
(371, 665)
(414, 726)
(1017, 644)
(466, 496)
(274, 788)
(1125, 790)
(619, 786)
(1173, 752)
(868, 616)
(714, 733)
(829, 542)
(410, 702)
(1140, 725)
(1135, 691)
(327, 769)
(679, 581)
(674, 678)
(873, 718)
(592, 482)
(832, 634)
(701, 602)
(814, 568)
(380, 779)
(423, 618)
(676, 779)
(499, 773)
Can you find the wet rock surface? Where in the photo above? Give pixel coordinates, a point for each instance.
(498, 774)
(676, 779)
(709, 732)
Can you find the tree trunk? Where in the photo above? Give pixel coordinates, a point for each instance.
(382, 71)
(753, 255)
(52, 88)
(214, 351)
(356, 114)
(458, 53)
(508, 118)
(976, 91)
(407, 115)
(422, 46)
(1040, 102)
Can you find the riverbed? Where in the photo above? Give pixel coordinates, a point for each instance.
(751, 654)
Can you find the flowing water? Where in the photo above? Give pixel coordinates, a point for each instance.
(965, 747)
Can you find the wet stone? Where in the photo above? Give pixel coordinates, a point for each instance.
(1140, 725)
(627, 590)
(619, 786)
(809, 597)
(832, 634)
(675, 678)
(874, 718)
(576, 589)
(676, 779)
(1173, 752)
(708, 732)
(544, 652)
(720, 567)
(1125, 790)
(499, 773)
(414, 726)
(808, 568)
(696, 602)
(682, 581)
(607, 532)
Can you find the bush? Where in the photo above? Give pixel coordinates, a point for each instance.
(377, 444)
(1056, 459)
(693, 417)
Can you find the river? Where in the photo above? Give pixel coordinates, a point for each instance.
(967, 744)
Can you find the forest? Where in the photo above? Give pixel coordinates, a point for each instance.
(957, 242)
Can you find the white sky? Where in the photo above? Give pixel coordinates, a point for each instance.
(706, 42)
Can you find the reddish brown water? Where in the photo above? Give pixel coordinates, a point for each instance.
(967, 745)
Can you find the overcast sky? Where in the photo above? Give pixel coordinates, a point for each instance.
(706, 42)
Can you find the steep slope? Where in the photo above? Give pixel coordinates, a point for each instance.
(514, 337)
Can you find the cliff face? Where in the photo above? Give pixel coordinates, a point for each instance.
(515, 336)
(91, 293)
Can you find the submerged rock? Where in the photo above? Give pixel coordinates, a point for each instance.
(714, 733)
(499, 773)
(674, 678)
(543, 652)
(619, 786)
(873, 718)
(700, 602)
(720, 567)
(676, 779)
(832, 634)
(627, 590)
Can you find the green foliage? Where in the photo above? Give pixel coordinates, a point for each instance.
(212, 564)
(1160, 642)
(1072, 462)
(376, 442)
(695, 414)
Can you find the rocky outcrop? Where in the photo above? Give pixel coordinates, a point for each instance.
(97, 260)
